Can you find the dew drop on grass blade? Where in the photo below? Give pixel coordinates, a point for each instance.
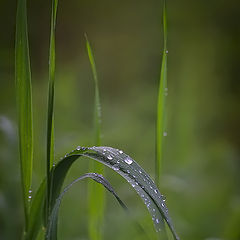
(129, 170)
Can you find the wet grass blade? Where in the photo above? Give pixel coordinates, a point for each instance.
(128, 169)
(50, 118)
(96, 194)
(36, 212)
(24, 102)
(52, 226)
(162, 93)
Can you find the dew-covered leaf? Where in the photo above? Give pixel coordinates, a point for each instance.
(52, 224)
(128, 169)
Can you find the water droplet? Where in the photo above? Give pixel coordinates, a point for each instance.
(154, 209)
(109, 157)
(120, 151)
(115, 167)
(165, 134)
(128, 160)
(163, 198)
(157, 220)
(166, 51)
(162, 204)
(78, 148)
(30, 191)
(140, 171)
(156, 191)
(166, 89)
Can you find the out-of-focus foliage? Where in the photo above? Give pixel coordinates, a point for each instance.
(200, 174)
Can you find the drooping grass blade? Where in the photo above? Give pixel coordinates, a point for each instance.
(96, 194)
(24, 103)
(129, 170)
(50, 118)
(162, 93)
(52, 225)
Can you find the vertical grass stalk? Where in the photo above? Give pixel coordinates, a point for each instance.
(50, 117)
(96, 192)
(162, 93)
(24, 103)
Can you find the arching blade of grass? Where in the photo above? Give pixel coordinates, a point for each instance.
(24, 103)
(162, 93)
(52, 225)
(128, 169)
(50, 118)
(96, 193)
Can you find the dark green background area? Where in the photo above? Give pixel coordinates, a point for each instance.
(200, 175)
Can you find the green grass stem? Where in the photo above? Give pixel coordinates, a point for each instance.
(162, 93)
(96, 192)
(50, 117)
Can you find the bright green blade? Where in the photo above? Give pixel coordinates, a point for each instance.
(96, 192)
(24, 102)
(129, 170)
(162, 93)
(51, 86)
(53, 219)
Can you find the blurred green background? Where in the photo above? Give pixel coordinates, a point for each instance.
(200, 175)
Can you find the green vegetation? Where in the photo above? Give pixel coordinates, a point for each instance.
(46, 202)
(198, 161)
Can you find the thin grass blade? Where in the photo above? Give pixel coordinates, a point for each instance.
(162, 93)
(52, 226)
(36, 212)
(51, 87)
(129, 170)
(96, 194)
(24, 103)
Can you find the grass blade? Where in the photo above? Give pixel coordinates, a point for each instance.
(50, 118)
(96, 192)
(52, 226)
(128, 169)
(36, 212)
(24, 102)
(162, 93)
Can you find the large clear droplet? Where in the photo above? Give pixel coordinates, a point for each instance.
(128, 160)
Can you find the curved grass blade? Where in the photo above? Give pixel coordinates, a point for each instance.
(50, 118)
(52, 226)
(162, 93)
(128, 169)
(96, 194)
(24, 102)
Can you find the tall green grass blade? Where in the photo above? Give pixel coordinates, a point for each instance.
(128, 169)
(24, 102)
(52, 225)
(50, 118)
(162, 93)
(96, 192)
